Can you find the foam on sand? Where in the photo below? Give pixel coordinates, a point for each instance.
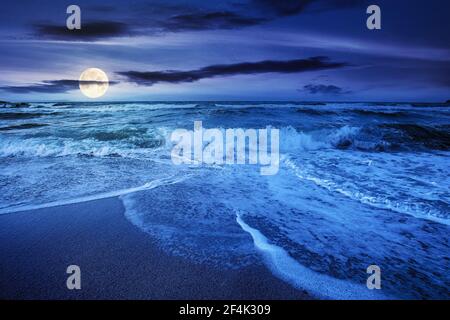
(289, 270)
(149, 185)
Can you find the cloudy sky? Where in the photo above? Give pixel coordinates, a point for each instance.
(307, 50)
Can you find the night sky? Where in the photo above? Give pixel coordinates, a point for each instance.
(306, 50)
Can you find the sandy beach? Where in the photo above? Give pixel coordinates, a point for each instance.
(117, 260)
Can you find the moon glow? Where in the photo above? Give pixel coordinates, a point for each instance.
(93, 83)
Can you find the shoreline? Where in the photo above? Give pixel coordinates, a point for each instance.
(117, 260)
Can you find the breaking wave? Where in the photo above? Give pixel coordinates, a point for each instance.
(383, 138)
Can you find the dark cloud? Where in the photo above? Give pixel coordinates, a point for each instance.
(283, 8)
(96, 30)
(293, 7)
(342, 4)
(324, 89)
(208, 20)
(270, 9)
(175, 76)
(89, 31)
(50, 86)
(161, 17)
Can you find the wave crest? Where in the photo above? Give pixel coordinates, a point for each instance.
(382, 138)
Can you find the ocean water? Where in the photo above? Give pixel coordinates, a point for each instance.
(359, 184)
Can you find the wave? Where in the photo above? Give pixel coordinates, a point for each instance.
(5, 104)
(137, 137)
(387, 114)
(291, 271)
(111, 194)
(396, 112)
(37, 148)
(381, 138)
(24, 115)
(431, 137)
(62, 104)
(430, 105)
(23, 126)
(126, 142)
(293, 140)
(98, 143)
(129, 142)
(344, 137)
(231, 111)
(316, 112)
(421, 211)
(84, 148)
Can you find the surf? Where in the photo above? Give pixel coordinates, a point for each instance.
(288, 269)
(111, 194)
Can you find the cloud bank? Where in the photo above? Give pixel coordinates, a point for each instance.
(150, 78)
(51, 86)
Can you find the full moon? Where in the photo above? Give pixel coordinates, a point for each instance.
(93, 83)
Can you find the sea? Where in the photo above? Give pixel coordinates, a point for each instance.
(358, 185)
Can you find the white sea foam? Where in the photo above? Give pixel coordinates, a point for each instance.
(68, 147)
(375, 201)
(343, 208)
(35, 148)
(149, 185)
(292, 140)
(289, 270)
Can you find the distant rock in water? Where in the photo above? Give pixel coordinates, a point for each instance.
(6, 104)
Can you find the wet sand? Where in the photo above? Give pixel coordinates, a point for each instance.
(117, 260)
